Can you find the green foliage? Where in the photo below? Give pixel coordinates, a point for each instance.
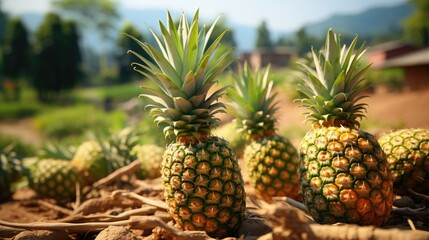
(16, 145)
(98, 14)
(15, 49)
(152, 134)
(263, 39)
(14, 57)
(106, 77)
(417, 25)
(56, 57)
(18, 110)
(77, 120)
(393, 78)
(126, 73)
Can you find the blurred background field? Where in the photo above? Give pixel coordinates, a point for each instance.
(65, 72)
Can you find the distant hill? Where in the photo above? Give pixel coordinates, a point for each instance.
(370, 22)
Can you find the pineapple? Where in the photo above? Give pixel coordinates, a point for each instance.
(271, 159)
(343, 171)
(203, 183)
(90, 161)
(11, 170)
(98, 157)
(55, 179)
(407, 152)
(150, 157)
(5, 193)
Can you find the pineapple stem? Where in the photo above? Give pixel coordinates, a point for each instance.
(194, 138)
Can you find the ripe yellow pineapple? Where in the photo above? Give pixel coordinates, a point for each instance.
(203, 183)
(271, 159)
(407, 152)
(343, 171)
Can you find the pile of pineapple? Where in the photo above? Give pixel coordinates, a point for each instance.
(58, 172)
(342, 173)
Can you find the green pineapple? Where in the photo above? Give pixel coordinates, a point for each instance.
(90, 161)
(271, 159)
(11, 170)
(407, 152)
(5, 193)
(55, 178)
(150, 157)
(98, 157)
(203, 183)
(343, 171)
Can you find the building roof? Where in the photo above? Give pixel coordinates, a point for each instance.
(416, 58)
(387, 46)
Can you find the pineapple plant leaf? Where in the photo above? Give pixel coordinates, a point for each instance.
(343, 171)
(407, 152)
(202, 179)
(271, 159)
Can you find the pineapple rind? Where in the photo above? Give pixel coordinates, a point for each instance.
(204, 187)
(55, 179)
(272, 163)
(90, 160)
(407, 152)
(150, 157)
(344, 177)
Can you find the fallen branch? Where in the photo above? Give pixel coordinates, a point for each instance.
(71, 227)
(126, 170)
(8, 232)
(144, 210)
(102, 204)
(341, 232)
(135, 222)
(293, 203)
(425, 197)
(146, 200)
(57, 208)
(420, 214)
(152, 222)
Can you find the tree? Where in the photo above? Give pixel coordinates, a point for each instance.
(15, 55)
(304, 42)
(417, 25)
(71, 56)
(56, 57)
(228, 39)
(263, 39)
(100, 15)
(125, 43)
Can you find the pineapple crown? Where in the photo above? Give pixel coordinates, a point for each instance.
(253, 103)
(333, 86)
(185, 67)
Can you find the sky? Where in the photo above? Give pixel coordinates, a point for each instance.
(281, 15)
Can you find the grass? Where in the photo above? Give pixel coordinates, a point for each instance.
(121, 92)
(74, 121)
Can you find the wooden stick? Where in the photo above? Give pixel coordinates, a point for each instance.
(293, 203)
(128, 169)
(57, 208)
(144, 210)
(151, 222)
(355, 232)
(146, 200)
(71, 227)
